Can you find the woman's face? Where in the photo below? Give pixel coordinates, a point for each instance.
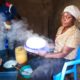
(67, 20)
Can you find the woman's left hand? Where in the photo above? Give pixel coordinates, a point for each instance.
(42, 53)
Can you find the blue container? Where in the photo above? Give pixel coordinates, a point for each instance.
(26, 71)
(10, 75)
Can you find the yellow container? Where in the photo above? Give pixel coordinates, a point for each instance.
(21, 55)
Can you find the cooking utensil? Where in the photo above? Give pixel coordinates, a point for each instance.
(9, 64)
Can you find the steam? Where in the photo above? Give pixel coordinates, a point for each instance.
(18, 34)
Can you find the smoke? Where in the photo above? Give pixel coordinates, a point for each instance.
(18, 34)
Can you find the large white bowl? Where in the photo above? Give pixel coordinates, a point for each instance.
(33, 44)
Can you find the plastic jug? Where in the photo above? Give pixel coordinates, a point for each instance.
(21, 55)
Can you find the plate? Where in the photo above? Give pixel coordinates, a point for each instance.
(10, 64)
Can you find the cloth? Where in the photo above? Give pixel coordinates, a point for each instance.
(69, 38)
(43, 68)
(73, 10)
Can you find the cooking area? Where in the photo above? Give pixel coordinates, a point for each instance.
(18, 63)
(39, 40)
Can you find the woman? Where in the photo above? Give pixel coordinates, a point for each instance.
(66, 42)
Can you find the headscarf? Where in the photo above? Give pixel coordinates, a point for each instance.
(73, 10)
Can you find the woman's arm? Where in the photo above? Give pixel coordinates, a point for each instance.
(63, 53)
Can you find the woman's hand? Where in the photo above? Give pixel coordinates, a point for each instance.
(42, 53)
